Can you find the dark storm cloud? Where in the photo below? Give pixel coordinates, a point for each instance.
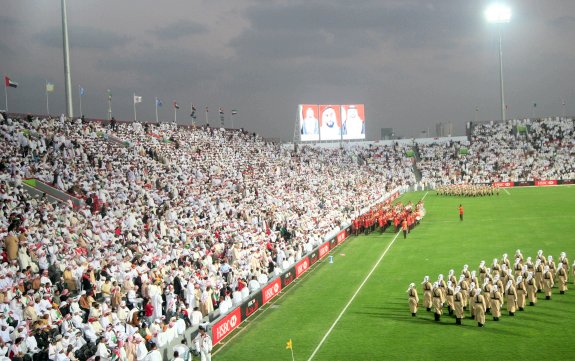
(83, 37)
(323, 30)
(563, 24)
(178, 29)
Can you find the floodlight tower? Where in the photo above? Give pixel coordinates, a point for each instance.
(499, 14)
(66, 47)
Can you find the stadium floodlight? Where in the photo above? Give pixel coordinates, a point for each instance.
(499, 14)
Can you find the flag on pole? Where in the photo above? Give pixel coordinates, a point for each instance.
(137, 99)
(206, 108)
(534, 105)
(82, 92)
(176, 106)
(221, 111)
(9, 83)
(289, 345)
(109, 94)
(158, 102)
(234, 112)
(49, 87)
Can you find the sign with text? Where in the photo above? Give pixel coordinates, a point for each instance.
(301, 266)
(341, 236)
(271, 290)
(543, 183)
(226, 325)
(503, 184)
(313, 257)
(324, 250)
(288, 277)
(251, 305)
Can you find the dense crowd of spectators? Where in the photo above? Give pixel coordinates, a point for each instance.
(178, 222)
(508, 151)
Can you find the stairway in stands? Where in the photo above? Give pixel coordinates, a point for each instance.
(417, 158)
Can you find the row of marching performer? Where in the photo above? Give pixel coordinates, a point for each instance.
(496, 287)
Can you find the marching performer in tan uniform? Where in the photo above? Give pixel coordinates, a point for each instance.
(539, 275)
(464, 290)
(551, 265)
(479, 308)
(482, 271)
(547, 282)
(487, 291)
(517, 267)
(521, 293)
(458, 305)
(465, 272)
(472, 299)
(562, 278)
(531, 289)
(413, 299)
(427, 296)
(450, 292)
(437, 301)
(563, 259)
(511, 297)
(496, 302)
(442, 287)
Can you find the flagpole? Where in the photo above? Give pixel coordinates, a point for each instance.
(175, 115)
(206, 114)
(564, 108)
(6, 97)
(292, 357)
(157, 110)
(134, 100)
(47, 99)
(80, 93)
(232, 116)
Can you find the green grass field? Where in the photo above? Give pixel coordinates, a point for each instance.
(377, 325)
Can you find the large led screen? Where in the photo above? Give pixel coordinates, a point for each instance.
(330, 122)
(353, 121)
(309, 122)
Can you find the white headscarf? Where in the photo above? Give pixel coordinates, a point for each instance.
(411, 285)
(425, 279)
(509, 283)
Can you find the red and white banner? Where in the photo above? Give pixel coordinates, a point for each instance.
(226, 325)
(341, 236)
(503, 184)
(323, 250)
(271, 290)
(543, 183)
(301, 267)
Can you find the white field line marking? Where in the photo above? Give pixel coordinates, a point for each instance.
(353, 297)
(506, 191)
(425, 195)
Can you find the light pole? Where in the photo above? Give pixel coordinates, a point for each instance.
(499, 14)
(66, 46)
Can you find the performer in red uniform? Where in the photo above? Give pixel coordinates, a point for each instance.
(461, 212)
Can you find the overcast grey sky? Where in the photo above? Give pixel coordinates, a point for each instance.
(413, 63)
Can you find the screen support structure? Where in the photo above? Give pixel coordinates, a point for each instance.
(296, 136)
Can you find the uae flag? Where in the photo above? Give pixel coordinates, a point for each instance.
(176, 106)
(9, 83)
(221, 111)
(234, 112)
